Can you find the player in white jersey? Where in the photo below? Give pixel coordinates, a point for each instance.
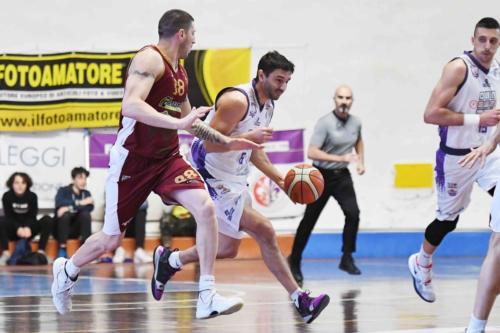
(226, 173)
(463, 104)
(488, 286)
(244, 111)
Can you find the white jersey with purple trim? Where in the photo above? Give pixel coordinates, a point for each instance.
(234, 165)
(477, 94)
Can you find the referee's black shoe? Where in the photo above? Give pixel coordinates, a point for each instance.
(296, 272)
(347, 264)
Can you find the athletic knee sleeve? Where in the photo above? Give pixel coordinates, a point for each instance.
(437, 230)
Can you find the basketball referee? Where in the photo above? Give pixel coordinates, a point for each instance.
(331, 148)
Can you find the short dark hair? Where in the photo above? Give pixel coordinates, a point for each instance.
(487, 23)
(26, 178)
(172, 21)
(274, 60)
(79, 171)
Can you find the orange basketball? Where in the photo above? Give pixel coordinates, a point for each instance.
(304, 183)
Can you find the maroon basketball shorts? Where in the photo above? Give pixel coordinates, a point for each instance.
(132, 178)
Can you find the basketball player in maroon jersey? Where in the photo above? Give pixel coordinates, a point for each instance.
(145, 158)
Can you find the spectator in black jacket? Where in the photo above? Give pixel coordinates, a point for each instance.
(73, 206)
(20, 207)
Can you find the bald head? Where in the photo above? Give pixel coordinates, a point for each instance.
(343, 89)
(343, 99)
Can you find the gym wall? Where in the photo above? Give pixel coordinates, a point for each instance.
(391, 52)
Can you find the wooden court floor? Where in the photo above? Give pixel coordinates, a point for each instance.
(116, 298)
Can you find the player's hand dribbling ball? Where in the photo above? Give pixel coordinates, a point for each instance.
(304, 184)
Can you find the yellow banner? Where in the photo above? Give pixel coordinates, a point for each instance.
(62, 116)
(64, 90)
(84, 90)
(413, 175)
(214, 70)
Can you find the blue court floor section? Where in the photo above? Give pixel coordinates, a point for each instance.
(391, 269)
(373, 269)
(398, 244)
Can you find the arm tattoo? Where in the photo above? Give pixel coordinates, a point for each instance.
(205, 132)
(143, 74)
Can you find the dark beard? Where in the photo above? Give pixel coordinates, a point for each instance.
(343, 109)
(270, 93)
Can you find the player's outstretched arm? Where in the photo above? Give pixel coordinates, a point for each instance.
(219, 142)
(437, 112)
(481, 152)
(214, 140)
(261, 161)
(145, 68)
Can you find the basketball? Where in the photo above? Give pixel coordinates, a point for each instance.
(304, 184)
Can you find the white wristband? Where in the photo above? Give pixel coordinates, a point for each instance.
(471, 119)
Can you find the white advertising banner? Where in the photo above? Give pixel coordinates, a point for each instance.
(47, 157)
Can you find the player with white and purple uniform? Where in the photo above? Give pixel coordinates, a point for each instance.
(464, 105)
(226, 173)
(246, 111)
(477, 94)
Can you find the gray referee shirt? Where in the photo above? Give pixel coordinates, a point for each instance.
(335, 136)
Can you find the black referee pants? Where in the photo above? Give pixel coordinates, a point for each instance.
(338, 184)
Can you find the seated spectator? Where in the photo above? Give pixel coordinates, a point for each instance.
(20, 222)
(73, 206)
(137, 230)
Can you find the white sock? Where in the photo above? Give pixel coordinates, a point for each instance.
(175, 260)
(424, 258)
(207, 285)
(71, 269)
(295, 296)
(476, 325)
(6, 253)
(207, 282)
